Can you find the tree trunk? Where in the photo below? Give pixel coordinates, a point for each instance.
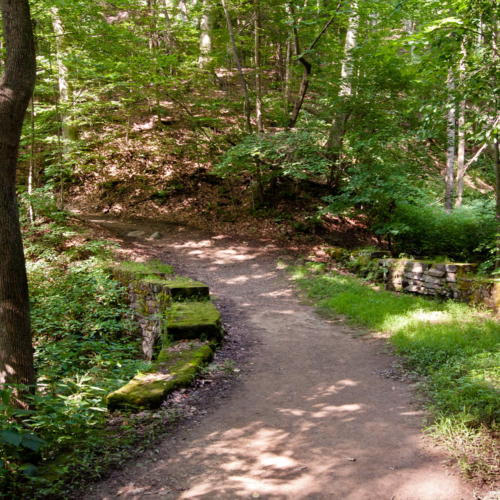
(16, 89)
(460, 155)
(304, 84)
(450, 155)
(461, 134)
(183, 9)
(32, 159)
(65, 89)
(288, 69)
(497, 189)
(336, 134)
(206, 25)
(240, 70)
(258, 76)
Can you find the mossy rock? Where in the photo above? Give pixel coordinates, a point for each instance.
(174, 370)
(182, 290)
(335, 253)
(195, 320)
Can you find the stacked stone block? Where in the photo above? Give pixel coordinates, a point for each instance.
(448, 281)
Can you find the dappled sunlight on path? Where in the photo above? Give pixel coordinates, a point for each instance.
(310, 419)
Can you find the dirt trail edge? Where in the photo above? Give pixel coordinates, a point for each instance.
(311, 418)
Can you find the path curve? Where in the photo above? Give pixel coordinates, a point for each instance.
(309, 401)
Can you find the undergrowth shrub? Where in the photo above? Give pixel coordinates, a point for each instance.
(464, 234)
(84, 347)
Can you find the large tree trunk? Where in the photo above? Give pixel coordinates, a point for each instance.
(450, 154)
(16, 89)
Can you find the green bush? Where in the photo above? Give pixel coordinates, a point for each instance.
(464, 234)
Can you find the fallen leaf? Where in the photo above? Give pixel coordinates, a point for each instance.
(298, 469)
(351, 459)
(255, 495)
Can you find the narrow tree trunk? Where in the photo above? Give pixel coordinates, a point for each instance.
(450, 154)
(497, 189)
(183, 9)
(65, 89)
(68, 132)
(460, 155)
(258, 76)
(461, 133)
(206, 25)
(288, 70)
(304, 84)
(32, 159)
(16, 90)
(336, 135)
(240, 70)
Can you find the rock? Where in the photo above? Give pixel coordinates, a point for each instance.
(135, 234)
(155, 236)
(414, 276)
(407, 282)
(417, 267)
(433, 280)
(436, 272)
(451, 277)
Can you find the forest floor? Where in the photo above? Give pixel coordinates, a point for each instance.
(313, 414)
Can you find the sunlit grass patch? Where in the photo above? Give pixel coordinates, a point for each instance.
(456, 348)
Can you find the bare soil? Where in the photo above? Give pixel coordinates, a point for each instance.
(312, 415)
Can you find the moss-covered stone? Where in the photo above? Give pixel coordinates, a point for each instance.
(174, 370)
(181, 290)
(194, 320)
(336, 253)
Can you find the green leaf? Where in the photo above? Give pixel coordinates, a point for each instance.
(32, 442)
(11, 437)
(29, 470)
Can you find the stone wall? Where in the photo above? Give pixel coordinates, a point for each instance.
(422, 277)
(148, 301)
(448, 281)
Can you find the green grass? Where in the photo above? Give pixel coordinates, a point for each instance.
(455, 348)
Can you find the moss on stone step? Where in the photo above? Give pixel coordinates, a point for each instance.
(174, 370)
(181, 290)
(194, 320)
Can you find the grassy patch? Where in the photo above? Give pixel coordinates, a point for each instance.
(455, 348)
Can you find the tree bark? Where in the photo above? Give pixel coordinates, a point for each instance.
(450, 154)
(258, 76)
(16, 89)
(240, 70)
(336, 135)
(497, 189)
(206, 25)
(461, 134)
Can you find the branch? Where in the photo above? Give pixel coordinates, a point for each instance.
(481, 149)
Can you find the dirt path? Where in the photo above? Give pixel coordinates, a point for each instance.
(309, 400)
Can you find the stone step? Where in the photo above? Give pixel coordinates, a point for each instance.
(177, 366)
(194, 320)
